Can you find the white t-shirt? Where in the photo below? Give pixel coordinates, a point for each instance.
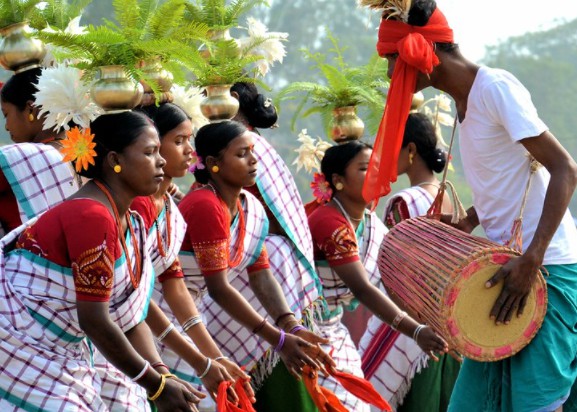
(500, 113)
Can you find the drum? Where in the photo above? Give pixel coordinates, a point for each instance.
(439, 272)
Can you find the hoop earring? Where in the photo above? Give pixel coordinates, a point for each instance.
(215, 169)
(31, 117)
(339, 186)
(117, 169)
(411, 158)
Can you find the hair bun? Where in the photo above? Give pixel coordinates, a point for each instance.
(263, 113)
(440, 160)
(421, 11)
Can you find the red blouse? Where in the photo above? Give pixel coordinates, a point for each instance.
(9, 213)
(145, 207)
(333, 237)
(208, 233)
(80, 234)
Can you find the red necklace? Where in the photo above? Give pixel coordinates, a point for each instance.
(134, 277)
(161, 247)
(239, 247)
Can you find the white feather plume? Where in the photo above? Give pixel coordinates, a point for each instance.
(52, 51)
(188, 99)
(62, 96)
(261, 42)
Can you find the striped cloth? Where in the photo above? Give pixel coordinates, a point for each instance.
(240, 344)
(38, 177)
(291, 259)
(390, 360)
(44, 365)
(338, 295)
(118, 391)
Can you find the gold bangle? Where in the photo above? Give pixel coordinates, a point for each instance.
(170, 376)
(160, 389)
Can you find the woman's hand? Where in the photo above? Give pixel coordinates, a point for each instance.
(237, 373)
(216, 374)
(178, 396)
(316, 351)
(431, 343)
(294, 354)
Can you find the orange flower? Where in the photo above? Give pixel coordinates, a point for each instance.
(78, 147)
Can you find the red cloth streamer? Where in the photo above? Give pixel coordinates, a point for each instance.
(361, 388)
(324, 399)
(224, 405)
(415, 48)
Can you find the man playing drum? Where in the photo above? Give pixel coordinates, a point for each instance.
(499, 132)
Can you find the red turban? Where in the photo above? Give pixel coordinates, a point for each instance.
(414, 46)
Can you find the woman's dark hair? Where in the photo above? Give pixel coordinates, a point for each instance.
(419, 15)
(113, 133)
(420, 131)
(166, 116)
(258, 111)
(20, 88)
(211, 140)
(338, 157)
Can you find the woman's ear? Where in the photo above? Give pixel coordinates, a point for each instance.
(210, 161)
(112, 159)
(235, 95)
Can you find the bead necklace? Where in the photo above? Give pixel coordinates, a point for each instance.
(239, 247)
(162, 248)
(137, 274)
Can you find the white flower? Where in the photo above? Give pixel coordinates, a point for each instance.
(73, 27)
(310, 153)
(189, 100)
(443, 102)
(261, 42)
(63, 96)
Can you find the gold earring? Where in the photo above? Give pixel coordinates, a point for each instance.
(117, 169)
(31, 117)
(215, 169)
(339, 186)
(411, 158)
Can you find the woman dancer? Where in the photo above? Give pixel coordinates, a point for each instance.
(24, 195)
(393, 363)
(225, 240)
(347, 239)
(81, 271)
(289, 246)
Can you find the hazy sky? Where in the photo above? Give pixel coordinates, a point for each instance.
(486, 22)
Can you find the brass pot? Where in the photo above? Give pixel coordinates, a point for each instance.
(153, 71)
(216, 36)
(346, 125)
(18, 50)
(114, 91)
(219, 105)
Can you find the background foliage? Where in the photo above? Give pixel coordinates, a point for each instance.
(546, 62)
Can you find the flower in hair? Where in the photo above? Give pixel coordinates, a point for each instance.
(196, 163)
(79, 147)
(321, 188)
(310, 153)
(261, 42)
(64, 97)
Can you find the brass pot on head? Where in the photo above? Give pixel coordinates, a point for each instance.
(19, 51)
(153, 71)
(346, 125)
(418, 100)
(114, 91)
(219, 104)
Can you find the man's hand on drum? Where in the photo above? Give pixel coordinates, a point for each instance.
(431, 343)
(518, 275)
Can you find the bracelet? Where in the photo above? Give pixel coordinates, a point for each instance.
(280, 343)
(220, 357)
(290, 325)
(195, 320)
(159, 390)
(296, 329)
(398, 319)
(158, 365)
(165, 332)
(284, 315)
(258, 328)
(418, 330)
(208, 365)
(142, 372)
(170, 376)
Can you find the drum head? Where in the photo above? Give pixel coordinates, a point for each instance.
(468, 304)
